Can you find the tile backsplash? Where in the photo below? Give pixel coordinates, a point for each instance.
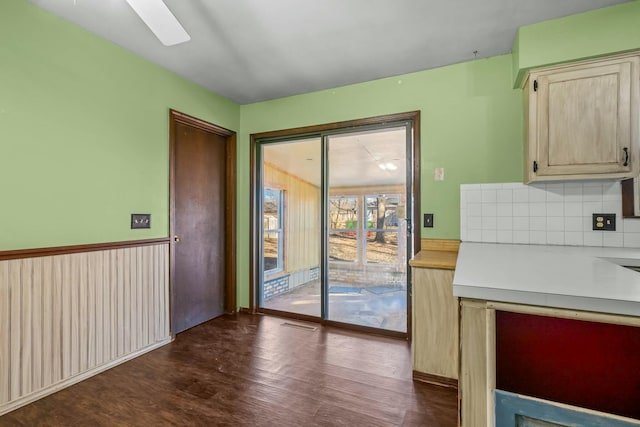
(545, 214)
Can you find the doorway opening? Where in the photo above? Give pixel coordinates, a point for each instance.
(333, 208)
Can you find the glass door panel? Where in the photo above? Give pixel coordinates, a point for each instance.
(343, 229)
(367, 239)
(291, 226)
(272, 229)
(386, 240)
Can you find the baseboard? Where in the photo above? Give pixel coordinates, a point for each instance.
(244, 310)
(435, 379)
(25, 400)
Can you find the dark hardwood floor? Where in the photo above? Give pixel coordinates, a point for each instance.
(253, 370)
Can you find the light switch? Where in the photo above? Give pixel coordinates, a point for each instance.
(140, 221)
(428, 220)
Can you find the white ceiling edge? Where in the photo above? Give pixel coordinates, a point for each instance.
(252, 50)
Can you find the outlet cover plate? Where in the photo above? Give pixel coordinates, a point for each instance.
(604, 222)
(140, 221)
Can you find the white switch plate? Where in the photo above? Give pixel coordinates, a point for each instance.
(439, 174)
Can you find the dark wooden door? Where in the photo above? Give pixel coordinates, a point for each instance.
(198, 287)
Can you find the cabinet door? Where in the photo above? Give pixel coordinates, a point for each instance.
(582, 121)
(435, 324)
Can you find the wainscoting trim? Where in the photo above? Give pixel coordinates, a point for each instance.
(74, 249)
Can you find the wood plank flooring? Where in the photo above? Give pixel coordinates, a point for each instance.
(253, 370)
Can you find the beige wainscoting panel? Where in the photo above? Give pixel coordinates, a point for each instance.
(435, 321)
(5, 338)
(66, 317)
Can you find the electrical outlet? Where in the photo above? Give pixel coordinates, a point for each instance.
(140, 221)
(604, 222)
(428, 220)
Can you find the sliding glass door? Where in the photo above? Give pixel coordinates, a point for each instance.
(367, 236)
(334, 214)
(291, 207)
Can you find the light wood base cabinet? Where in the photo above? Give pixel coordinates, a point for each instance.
(581, 120)
(478, 354)
(435, 341)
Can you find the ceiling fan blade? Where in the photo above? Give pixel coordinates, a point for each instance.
(161, 21)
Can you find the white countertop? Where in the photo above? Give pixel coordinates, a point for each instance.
(581, 278)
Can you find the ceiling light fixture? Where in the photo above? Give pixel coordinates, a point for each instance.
(160, 21)
(387, 166)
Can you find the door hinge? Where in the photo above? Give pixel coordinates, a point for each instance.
(535, 85)
(535, 166)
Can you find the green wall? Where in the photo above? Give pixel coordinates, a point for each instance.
(84, 125)
(84, 133)
(471, 125)
(586, 35)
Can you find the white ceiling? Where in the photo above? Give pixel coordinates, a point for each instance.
(254, 50)
(354, 158)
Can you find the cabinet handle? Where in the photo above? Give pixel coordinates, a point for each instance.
(626, 156)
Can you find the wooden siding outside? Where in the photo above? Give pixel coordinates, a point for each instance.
(66, 317)
(302, 221)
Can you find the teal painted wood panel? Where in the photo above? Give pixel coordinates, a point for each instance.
(514, 410)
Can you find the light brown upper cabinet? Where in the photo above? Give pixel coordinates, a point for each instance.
(581, 120)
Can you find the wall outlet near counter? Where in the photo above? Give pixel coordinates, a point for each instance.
(604, 222)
